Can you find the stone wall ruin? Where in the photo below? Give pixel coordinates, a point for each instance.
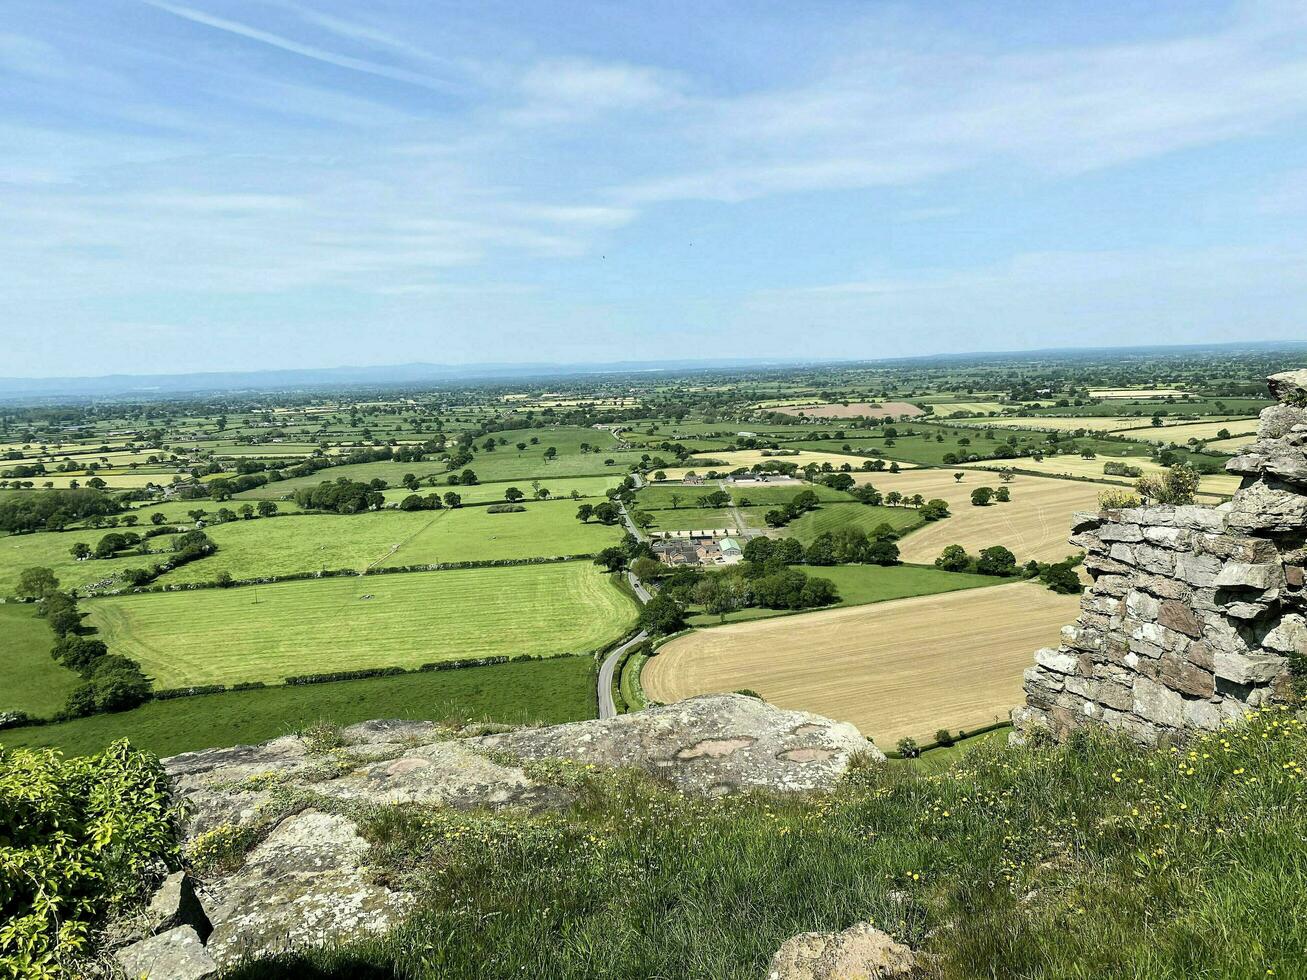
(1194, 612)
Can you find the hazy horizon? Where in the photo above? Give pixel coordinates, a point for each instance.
(202, 186)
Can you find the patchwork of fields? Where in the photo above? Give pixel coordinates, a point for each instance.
(894, 669)
(265, 633)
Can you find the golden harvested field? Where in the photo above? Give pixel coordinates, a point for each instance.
(1035, 523)
(1245, 428)
(944, 409)
(1233, 444)
(906, 667)
(747, 457)
(838, 410)
(1223, 484)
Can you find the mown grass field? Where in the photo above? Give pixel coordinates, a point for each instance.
(265, 633)
(327, 542)
(831, 517)
(859, 585)
(706, 518)
(1035, 523)
(389, 471)
(587, 486)
(906, 667)
(53, 550)
(30, 680)
(545, 692)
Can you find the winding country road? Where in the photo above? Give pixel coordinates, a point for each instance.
(607, 709)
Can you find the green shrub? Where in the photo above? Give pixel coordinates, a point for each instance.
(79, 839)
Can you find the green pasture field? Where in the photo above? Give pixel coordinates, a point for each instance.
(389, 471)
(506, 463)
(859, 585)
(531, 692)
(545, 529)
(830, 517)
(52, 550)
(267, 632)
(327, 542)
(178, 511)
(586, 486)
(777, 496)
(30, 680)
(704, 518)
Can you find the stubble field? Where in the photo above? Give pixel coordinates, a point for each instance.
(894, 669)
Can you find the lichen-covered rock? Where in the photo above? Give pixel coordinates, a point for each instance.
(861, 952)
(174, 903)
(1289, 387)
(290, 803)
(713, 744)
(303, 885)
(176, 954)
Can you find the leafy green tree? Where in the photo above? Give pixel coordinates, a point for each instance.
(36, 583)
(953, 558)
(513, 495)
(585, 512)
(996, 560)
(80, 550)
(981, 496)
(662, 614)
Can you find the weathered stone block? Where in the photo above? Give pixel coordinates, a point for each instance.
(1244, 669)
(1202, 714)
(1179, 617)
(1154, 702)
(1239, 575)
(176, 954)
(1180, 675)
(1060, 661)
(1288, 636)
(1198, 570)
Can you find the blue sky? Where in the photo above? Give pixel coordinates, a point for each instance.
(205, 185)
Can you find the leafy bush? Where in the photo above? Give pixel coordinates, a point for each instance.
(908, 748)
(1115, 499)
(79, 840)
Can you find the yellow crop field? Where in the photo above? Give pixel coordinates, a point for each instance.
(906, 667)
(1035, 523)
(944, 409)
(1245, 428)
(1222, 484)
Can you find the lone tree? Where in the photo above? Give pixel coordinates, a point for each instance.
(585, 512)
(513, 495)
(36, 583)
(981, 496)
(662, 614)
(953, 558)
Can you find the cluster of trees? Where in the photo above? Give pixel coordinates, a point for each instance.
(800, 504)
(432, 501)
(53, 510)
(110, 682)
(344, 496)
(851, 545)
(984, 496)
(999, 561)
(186, 548)
(605, 513)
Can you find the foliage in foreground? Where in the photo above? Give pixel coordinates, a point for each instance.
(1094, 859)
(78, 839)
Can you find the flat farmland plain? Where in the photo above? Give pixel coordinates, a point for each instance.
(266, 632)
(838, 410)
(327, 542)
(906, 667)
(1035, 523)
(832, 517)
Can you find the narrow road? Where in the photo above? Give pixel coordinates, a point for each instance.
(607, 709)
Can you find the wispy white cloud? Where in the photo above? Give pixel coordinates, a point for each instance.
(364, 65)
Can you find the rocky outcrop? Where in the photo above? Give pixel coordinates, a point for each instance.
(274, 831)
(1194, 612)
(861, 952)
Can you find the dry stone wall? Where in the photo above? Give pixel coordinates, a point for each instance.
(1195, 612)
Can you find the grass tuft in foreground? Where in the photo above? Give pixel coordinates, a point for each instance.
(1093, 859)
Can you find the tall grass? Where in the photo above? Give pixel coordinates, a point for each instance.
(1092, 859)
